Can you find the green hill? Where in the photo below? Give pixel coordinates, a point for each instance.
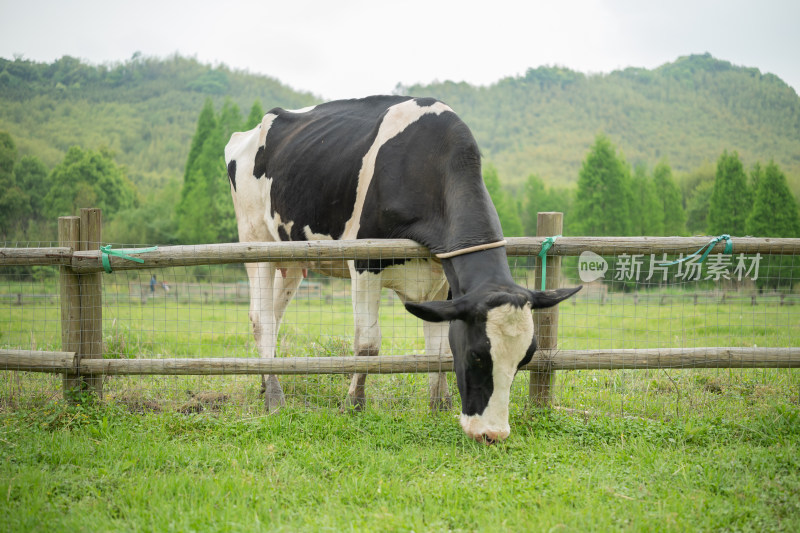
(145, 110)
(688, 112)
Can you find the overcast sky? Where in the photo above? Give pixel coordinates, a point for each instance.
(343, 48)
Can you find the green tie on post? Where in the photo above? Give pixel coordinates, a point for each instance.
(546, 245)
(106, 251)
(708, 247)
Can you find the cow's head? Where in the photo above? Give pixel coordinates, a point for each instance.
(491, 337)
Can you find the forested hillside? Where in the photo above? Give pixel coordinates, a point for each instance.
(687, 112)
(143, 139)
(143, 110)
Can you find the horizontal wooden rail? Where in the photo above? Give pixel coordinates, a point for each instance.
(653, 358)
(574, 246)
(84, 262)
(57, 256)
(38, 361)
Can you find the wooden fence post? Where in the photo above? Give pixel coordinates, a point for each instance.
(545, 321)
(92, 297)
(81, 300)
(70, 296)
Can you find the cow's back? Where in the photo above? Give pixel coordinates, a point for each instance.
(378, 167)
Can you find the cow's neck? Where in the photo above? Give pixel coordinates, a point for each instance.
(484, 270)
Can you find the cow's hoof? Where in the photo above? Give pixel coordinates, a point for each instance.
(441, 404)
(273, 394)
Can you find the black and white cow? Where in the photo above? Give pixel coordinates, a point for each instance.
(390, 167)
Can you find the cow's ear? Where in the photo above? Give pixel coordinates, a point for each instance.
(542, 299)
(440, 311)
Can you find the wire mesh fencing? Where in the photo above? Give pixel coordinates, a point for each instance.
(736, 312)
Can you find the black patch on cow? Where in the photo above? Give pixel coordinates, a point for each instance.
(260, 163)
(283, 234)
(376, 266)
(232, 173)
(314, 159)
(472, 364)
(428, 187)
(425, 102)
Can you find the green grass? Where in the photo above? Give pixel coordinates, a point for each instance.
(706, 449)
(101, 468)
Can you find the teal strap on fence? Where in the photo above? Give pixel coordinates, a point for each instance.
(707, 247)
(106, 251)
(546, 245)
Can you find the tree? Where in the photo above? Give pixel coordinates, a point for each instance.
(230, 120)
(255, 117)
(696, 190)
(206, 124)
(153, 222)
(647, 216)
(507, 209)
(602, 202)
(537, 197)
(31, 175)
(88, 178)
(774, 211)
(205, 211)
(775, 214)
(14, 203)
(756, 173)
(668, 196)
(730, 202)
(8, 156)
(534, 201)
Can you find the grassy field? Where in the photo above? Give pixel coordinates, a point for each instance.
(102, 468)
(658, 450)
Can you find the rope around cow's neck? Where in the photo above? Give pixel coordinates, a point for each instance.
(469, 250)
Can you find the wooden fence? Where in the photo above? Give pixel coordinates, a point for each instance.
(81, 265)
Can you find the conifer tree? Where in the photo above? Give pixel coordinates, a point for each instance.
(730, 202)
(205, 212)
(602, 202)
(206, 123)
(774, 214)
(669, 201)
(255, 117)
(647, 216)
(13, 200)
(775, 208)
(534, 201)
(507, 209)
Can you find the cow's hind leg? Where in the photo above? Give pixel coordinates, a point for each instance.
(265, 330)
(286, 283)
(366, 289)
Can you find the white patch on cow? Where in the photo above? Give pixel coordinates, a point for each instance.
(398, 118)
(303, 109)
(263, 129)
(251, 195)
(311, 236)
(510, 332)
(416, 280)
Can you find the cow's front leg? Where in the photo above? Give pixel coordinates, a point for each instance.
(366, 288)
(265, 330)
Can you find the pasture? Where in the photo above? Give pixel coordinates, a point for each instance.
(639, 450)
